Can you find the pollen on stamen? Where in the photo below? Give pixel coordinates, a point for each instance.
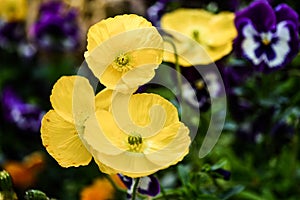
(135, 143)
(122, 63)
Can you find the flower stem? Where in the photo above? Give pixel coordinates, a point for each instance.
(134, 192)
(116, 187)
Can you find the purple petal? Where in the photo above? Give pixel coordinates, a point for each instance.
(56, 28)
(51, 7)
(25, 116)
(284, 12)
(155, 12)
(260, 13)
(149, 185)
(128, 182)
(224, 173)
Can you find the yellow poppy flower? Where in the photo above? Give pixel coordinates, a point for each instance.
(124, 51)
(201, 37)
(13, 10)
(73, 101)
(139, 149)
(58, 131)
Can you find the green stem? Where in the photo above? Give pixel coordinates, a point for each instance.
(177, 66)
(134, 192)
(116, 187)
(163, 192)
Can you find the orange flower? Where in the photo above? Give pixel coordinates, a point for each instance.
(24, 173)
(101, 189)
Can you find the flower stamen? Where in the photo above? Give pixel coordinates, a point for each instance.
(196, 35)
(266, 39)
(121, 63)
(135, 143)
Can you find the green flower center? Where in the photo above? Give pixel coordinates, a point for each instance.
(135, 143)
(121, 63)
(196, 35)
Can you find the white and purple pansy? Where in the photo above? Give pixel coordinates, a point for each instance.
(267, 37)
(147, 185)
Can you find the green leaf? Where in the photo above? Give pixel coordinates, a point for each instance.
(219, 164)
(183, 172)
(233, 191)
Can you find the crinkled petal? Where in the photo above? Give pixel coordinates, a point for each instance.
(109, 151)
(169, 146)
(62, 141)
(147, 113)
(148, 46)
(109, 27)
(73, 96)
(108, 144)
(140, 110)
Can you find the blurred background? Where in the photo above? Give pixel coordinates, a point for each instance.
(256, 157)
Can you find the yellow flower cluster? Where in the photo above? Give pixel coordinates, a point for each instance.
(201, 37)
(13, 10)
(132, 134)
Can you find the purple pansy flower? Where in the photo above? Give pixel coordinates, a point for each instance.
(155, 12)
(11, 34)
(56, 27)
(147, 185)
(26, 116)
(221, 173)
(267, 37)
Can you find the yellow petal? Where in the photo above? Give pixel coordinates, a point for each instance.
(104, 168)
(188, 50)
(222, 29)
(109, 144)
(217, 53)
(103, 99)
(141, 104)
(166, 148)
(183, 18)
(111, 77)
(169, 146)
(95, 137)
(143, 45)
(213, 34)
(62, 141)
(13, 10)
(107, 28)
(73, 98)
(147, 113)
(129, 163)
